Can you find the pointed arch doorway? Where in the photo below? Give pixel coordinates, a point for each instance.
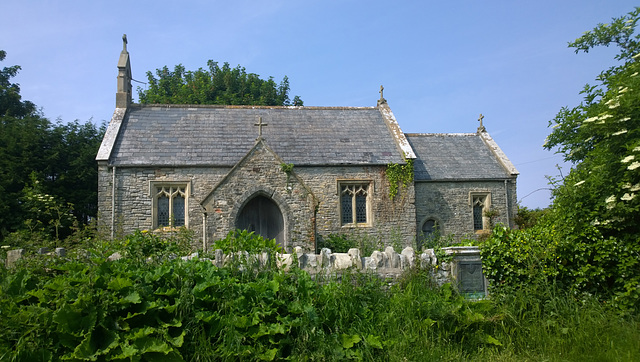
(262, 216)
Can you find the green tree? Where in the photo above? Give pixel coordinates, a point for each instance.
(215, 85)
(601, 137)
(61, 156)
(588, 241)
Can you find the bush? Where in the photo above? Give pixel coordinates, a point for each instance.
(338, 243)
(243, 240)
(584, 264)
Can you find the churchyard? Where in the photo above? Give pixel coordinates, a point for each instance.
(151, 298)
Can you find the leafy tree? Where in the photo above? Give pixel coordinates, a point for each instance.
(601, 136)
(215, 85)
(588, 244)
(10, 99)
(61, 156)
(527, 218)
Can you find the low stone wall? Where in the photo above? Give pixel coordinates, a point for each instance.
(463, 266)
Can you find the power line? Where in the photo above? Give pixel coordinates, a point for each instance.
(534, 191)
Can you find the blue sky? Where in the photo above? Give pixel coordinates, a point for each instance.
(442, 63)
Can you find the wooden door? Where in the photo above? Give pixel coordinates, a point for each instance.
(262, 216)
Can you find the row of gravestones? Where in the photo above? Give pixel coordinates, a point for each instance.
(464, 268)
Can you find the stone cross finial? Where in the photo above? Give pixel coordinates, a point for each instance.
(381, 100)
(481, 127)
(124, 42)
(260, 125)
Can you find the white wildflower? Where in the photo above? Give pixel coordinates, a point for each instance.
(579, 183)
(614, 105)
(634, 165)
(627, 197)
(636, 56)
(556, 126)
(604, 116)
(626, 186)
(625, 119)
(624, 90)
(637, 149)
(610, 199)
(634, 74)
(635, 187)
(622, 131)
(590, 119)
(628, 159)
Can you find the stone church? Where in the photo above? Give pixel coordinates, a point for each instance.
(296, 174)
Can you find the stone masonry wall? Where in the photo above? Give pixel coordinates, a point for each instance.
(134, 202)
(261, 172)
(392, 221)
(448, 203)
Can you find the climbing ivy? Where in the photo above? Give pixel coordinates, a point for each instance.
(399, 175)
(286, 167)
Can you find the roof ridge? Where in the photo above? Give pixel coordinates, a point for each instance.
(228, 106)
(440, 134)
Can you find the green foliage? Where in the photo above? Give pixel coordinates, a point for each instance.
(513, 258)
(526, 218)
(286, 168)
(602, 137)
(144, 245)
(215, 85)
(243, 240)
(61, 155)
(588, 242)
(337, 243)
(399, 175)
(585, 264)
(45, 213)
(148, 306)
(11, 103)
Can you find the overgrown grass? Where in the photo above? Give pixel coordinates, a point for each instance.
(163, 308)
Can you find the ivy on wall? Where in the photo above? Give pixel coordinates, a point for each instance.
(399, 175)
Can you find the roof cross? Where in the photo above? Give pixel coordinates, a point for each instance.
(481, 128)
(381, 100)
(260, 125)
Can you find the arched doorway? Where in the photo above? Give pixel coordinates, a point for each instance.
(430, 231)
(262, 216)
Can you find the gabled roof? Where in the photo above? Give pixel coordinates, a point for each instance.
(458, 156)
(187, 135)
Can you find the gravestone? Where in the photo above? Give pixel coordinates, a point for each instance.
(470, 277)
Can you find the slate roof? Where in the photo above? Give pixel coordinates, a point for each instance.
(454, 156)
(175, 135)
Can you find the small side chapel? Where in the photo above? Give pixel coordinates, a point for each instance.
(296, 174)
